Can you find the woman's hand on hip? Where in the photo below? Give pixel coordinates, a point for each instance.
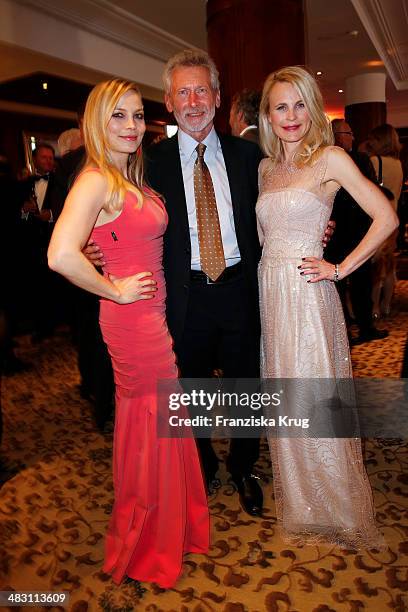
(133, 288)
(317, 269)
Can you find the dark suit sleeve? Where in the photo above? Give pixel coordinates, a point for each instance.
(69, 166)
(352, 222)
(365, 166)
(23, 190)
(58, 193)
(256, 159)
(155, 165)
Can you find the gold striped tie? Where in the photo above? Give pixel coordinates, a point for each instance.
(208, 224)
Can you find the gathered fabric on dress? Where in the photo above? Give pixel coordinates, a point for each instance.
(322, 492)
(160, 509)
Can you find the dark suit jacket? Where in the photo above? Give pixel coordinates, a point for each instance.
(37, 232)
(68, 168)
(252, 135)
(352, 222)
(164, 174)
(25, 189)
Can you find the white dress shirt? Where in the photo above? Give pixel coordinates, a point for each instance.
(40, 190)
(248, 127)
(214, 159)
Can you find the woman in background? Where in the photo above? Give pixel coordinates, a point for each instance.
(384, 148)
(160, 509)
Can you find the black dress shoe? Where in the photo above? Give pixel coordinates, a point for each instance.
(102, 415)
(250, 494)
(372, 334)
(14, 365)
(85, 392)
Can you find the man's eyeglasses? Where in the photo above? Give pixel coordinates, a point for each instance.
(349, 133)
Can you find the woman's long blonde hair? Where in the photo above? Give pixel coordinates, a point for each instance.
(319, 135)
(98, 111)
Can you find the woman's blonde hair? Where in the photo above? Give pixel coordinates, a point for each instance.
(319, 134)
(98, 111)
(384, 140)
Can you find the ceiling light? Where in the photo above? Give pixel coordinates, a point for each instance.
(340, 91)
(374, 63)
(319, 72)
(353, 33)
(45, 85)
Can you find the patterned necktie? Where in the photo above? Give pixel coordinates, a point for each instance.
(209, 232)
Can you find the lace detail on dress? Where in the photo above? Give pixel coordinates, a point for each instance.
(322, 493)
(293, 209)
(286, 175)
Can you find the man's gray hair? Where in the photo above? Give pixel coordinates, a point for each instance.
(187, 58)
(336, 123)
(247, 102)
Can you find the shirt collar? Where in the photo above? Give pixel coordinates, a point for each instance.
(187, 144)
(248, 127)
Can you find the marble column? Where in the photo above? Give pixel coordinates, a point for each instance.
(365, 103)
(248, 39)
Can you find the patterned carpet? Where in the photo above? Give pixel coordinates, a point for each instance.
(54, 512)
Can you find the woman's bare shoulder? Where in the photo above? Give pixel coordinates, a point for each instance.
(91, 179)
(337, 157)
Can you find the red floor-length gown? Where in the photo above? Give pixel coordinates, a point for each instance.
(160, 509)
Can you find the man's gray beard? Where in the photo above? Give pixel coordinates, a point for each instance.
(181, 122)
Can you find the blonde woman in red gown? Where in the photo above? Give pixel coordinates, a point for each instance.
(160, 509)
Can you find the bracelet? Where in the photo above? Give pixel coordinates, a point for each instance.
(336, 273)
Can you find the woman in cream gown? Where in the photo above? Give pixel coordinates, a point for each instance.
(385, 147)
(322, 492)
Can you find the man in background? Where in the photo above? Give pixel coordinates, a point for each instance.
(94, 363)
(34, 189)
(244, 115)
(352, 224)
(37, 222)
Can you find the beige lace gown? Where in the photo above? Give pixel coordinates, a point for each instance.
(322, 492)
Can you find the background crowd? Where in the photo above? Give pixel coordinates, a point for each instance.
(212, 299)
(31, 205)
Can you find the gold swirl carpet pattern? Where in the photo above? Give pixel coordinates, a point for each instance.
(54, 511)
